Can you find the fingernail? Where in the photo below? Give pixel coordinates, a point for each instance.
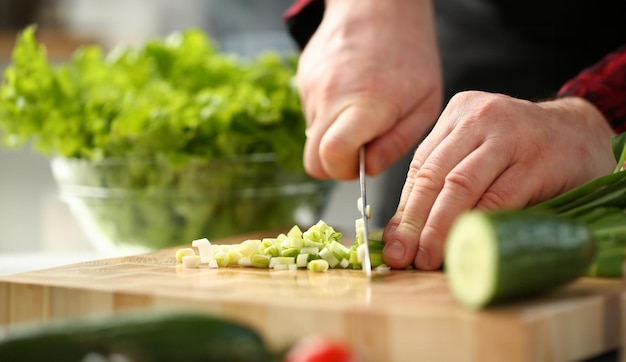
(394, 250)
(422, 260)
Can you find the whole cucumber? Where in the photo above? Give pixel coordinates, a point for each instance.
(139, 338)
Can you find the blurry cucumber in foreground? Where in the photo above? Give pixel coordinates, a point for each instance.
(493, 257)
(141, 338)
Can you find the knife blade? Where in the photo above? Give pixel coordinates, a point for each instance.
(366, 263)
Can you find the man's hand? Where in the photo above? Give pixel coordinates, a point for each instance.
(369, 75)
(490, 151)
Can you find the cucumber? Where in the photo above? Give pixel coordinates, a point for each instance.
(152, 337)
(493, 257)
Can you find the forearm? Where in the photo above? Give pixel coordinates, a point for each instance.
(304, 16)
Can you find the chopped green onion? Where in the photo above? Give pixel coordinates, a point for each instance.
(310, 250)
(290, 252)
(260, 261)
(221, 258)
(313, 244)
(302, 260)
(329, 257)
(338, 250)
(383, 268)
(249, 246)
(272, 251)
(204, 249)
(244, 261)
(180, 253)
(295, 232)
(292, 242)
(318, 265)
(281, 260)
(267, 242)
(191, 261)
(234, 256)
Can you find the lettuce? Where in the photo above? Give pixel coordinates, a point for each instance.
(176, 98)
(150, 144)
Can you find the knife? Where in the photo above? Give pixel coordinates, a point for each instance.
(366, 263)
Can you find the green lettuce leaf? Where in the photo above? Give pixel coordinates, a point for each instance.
(175, 98)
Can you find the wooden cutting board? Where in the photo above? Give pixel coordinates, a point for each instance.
(400, 316)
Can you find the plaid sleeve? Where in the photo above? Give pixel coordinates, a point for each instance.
(604, 85)
(302, 19)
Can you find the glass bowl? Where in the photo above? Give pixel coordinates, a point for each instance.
(139, 205)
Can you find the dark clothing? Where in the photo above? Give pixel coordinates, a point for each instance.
(604, 85)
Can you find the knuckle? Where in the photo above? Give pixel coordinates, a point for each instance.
(494, 199)
(434, 232)
(332, 148)
(429, 178)
(461, 183)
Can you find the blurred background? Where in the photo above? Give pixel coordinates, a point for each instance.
(32, 219)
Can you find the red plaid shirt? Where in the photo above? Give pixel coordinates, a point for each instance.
(603, 84)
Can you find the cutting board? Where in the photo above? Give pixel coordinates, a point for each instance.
(398, 316)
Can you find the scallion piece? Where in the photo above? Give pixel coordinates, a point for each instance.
(318, 265)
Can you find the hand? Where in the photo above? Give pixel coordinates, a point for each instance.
(369, 75)
(490, 151)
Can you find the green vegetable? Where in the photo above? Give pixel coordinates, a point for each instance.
(157, 144)
(176, 99)
(318, 266)
(148, 338)
(493, 257)
(293, 250)
(496, 256)
(601, 205)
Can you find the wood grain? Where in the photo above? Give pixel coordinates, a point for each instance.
(399, 316)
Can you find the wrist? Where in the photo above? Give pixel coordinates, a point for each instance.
(580, 109)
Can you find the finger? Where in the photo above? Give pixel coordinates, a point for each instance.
(430, 142)
(387, 148)
(403, 238)
(312, 162)
(437, 135)
(515, 188)
(354, 127)
(464, 186)
(452, 115)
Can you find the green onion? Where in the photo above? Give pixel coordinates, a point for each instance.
(260, 261)
(320, 245)
(327, 255)
(319, 265)
(601, 205)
